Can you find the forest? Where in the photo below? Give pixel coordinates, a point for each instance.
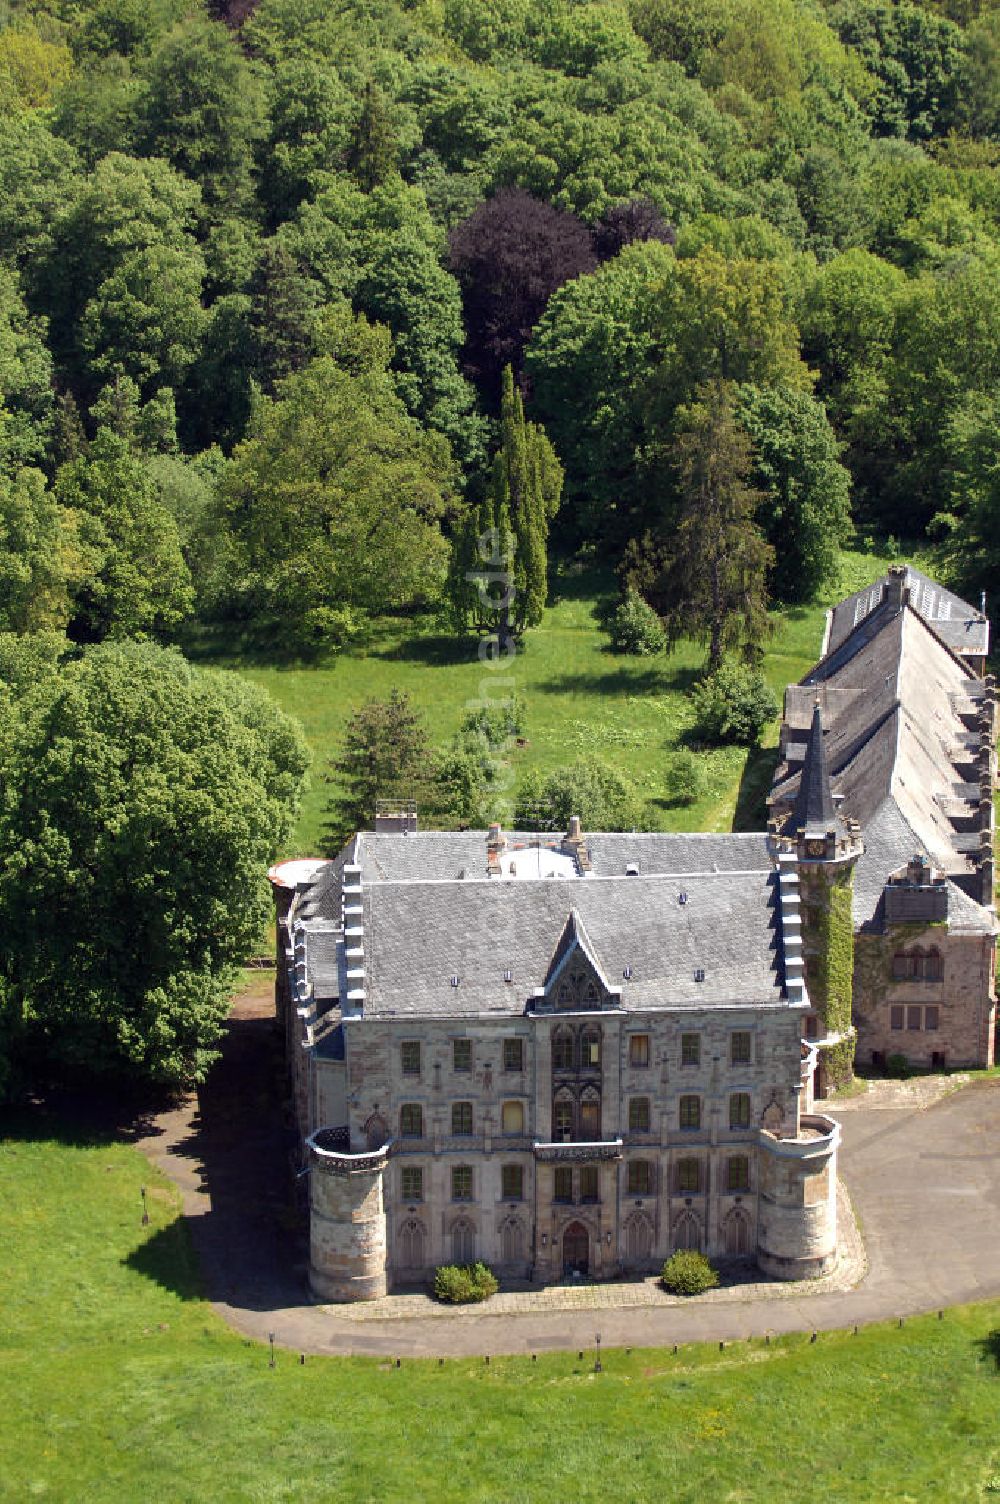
(302, 300)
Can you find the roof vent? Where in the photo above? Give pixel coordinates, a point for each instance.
(699, 973)
(508, 975)
(627, 973)
(631, 869)
(682, 897)
(454, 981)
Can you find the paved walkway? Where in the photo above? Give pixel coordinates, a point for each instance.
(921, 1169)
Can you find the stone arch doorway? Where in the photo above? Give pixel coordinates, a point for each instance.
(376, 1131)
(737, 1234)
(639, 1239)
(576, 1249)
(687, 1232)
(512, 1242)
(411, 1244)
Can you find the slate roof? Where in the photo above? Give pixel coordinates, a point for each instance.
(960, 626)
(418, 935)
(899, 709)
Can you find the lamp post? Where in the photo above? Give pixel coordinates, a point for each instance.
(270, 1338)
(145, 1209)
(597, 1360)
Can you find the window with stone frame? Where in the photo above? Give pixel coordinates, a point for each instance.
(689, 1176)
(639, 1181)
(913, 1016)
(917, 965)
(461, 1118)
(411, 1120)
(737, 1173)
(590, 1049)
(461, 1183)
(409, 1057)
(589, 1183)
(562, 1050)
(512, 1182)
(590, 1116)
(690, 1049)
(512, 1117)
(689, 1112)
(562, 1120)
(896, 1016)
(740, 1047)
(638, 1115)
(931, 1017)
(412, 1180)
(461, 1056)
(638, 1050)
(513, 1054)
(562, 1188)
(739, 1110)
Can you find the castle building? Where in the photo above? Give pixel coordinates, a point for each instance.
(573, 1055)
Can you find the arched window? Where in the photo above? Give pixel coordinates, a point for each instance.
(737, 1233)
(461, 1118)
(590, 994)
(512, 1117)
(933, 966)
(411, 1244)
(376, 1131)
(463, 1242)
(590, 1048)
(687, 1232)
(512, 1241)
(562, 1118)
(638, 1238)
(411, 1120)
(562, 1050)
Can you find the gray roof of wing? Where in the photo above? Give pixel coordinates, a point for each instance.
(418, 935)
(964, 629)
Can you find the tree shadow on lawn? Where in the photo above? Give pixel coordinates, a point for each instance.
(755, 781)
(989, 1347)
(628, 679)
(435, 650)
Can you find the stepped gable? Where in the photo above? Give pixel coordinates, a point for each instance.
(903, 747)
(958, 625)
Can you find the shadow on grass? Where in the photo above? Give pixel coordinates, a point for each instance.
(435, 650)
(989, 1347)
(168, 1258)
(751, 801)
(629, 679)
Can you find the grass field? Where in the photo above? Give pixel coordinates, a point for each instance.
(580, 699)
(118, 1383)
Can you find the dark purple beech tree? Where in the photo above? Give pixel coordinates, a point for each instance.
(510, 256)
(624, 224)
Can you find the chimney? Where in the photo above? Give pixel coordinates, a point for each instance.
(896, 592)
(575, 832)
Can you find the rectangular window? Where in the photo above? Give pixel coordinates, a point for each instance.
(689, 1176)
(895, 1016)
(411, 1120)
(740, 1048)
(690, 1112)
(913, 1016)
(590, 1121)
(737, 1173)
(513, 1054)
(562, 1122)
(812, 1022)
(512, 1117)
(409, 1052)
(638, 1049)
(563, 1188)
(461, 1118)
(461, 1055)
(413, 1184)
(512, 1182)
(588, 1183)
(638, 1115)
(590, 1050)
(739, 1110)
(640, 1177)
(930, 1018)
(461, 1183)
(690, 1049)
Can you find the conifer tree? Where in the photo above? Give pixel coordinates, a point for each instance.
(499, 570)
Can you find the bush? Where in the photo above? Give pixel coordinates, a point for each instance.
(687, 1273)
(600, 795)
(685, 778)
(898, 1065)
(463, 1284)
(733, 705)
(636, 628)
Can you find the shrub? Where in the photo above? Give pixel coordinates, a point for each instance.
(636, 628)
(733, 705)
(685, 778)
(897, 1065)
(600, 795)
(687, 1273)
(462, 1284)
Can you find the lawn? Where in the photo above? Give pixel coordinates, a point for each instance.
(119, 1383)
(580, 699)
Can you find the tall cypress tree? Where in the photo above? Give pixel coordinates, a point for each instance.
(499, 573)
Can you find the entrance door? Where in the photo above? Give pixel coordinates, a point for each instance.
(576, 1249)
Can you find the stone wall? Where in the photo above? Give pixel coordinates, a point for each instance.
(966, 1011)
(347, 1248)
(797, 1209)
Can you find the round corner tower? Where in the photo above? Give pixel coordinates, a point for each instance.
(347, 1237)
(797, 1208)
